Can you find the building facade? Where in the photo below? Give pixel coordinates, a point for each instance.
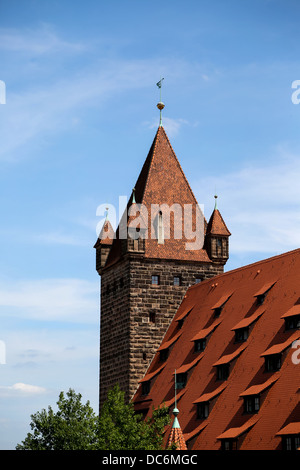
(162, 246)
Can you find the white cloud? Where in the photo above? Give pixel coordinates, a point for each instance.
(72, 300)
(21, 388)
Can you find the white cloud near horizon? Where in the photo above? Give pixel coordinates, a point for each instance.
(21, 388)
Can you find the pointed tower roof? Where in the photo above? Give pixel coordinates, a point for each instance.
(176, 435)
(162, 181)
(216, 225)
(106, 235)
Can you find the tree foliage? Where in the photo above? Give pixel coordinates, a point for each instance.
(76, 427)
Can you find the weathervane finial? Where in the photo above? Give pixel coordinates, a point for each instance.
(160, 105)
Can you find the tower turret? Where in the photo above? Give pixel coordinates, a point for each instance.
(217, 237)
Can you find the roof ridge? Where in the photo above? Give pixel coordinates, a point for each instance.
(242, 268)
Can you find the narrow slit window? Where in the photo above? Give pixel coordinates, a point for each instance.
(152, 317)
(155, 280)
(177, 281)
(160, 235)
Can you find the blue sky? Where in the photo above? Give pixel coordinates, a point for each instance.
(79, 119)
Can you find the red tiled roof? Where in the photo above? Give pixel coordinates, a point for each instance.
(249, 320)
(216, 225)
(230, 357)
(279, 391)
(278, 348)
(209, 396)
(291, 428)
(176, 437)
(257, 389)
(206, 331)
(167, 344)
(155, 185)
(295, 310)
(233, 433)
(106, 235)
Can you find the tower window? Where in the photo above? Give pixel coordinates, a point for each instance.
(198, 280)
(152, 317)
(155, 280)
(177, 281)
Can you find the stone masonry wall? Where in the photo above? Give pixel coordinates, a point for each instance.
(135, 314)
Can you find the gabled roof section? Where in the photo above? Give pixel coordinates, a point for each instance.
(212, 408)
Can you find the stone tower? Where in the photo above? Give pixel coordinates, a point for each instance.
(162, 246)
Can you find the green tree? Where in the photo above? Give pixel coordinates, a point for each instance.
(76, 427)
(120, 428)
(73, 427)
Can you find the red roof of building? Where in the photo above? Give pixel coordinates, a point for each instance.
(162, 181)
(244, 357)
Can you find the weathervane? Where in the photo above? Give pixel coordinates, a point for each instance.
(160, 105)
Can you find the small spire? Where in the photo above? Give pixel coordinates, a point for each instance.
(106, 218)
(216, 197)
(133, 196)
(175, 410)
(160, 105)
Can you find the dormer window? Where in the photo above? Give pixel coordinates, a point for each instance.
(203, 410)
(251, 404)
(217, 311)
(222, 372)
(292, 323)
(146, 388)
(181, 380)
(200, 345)
(241, 335)
(164, 354)
(262, 293)
(272, 362)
